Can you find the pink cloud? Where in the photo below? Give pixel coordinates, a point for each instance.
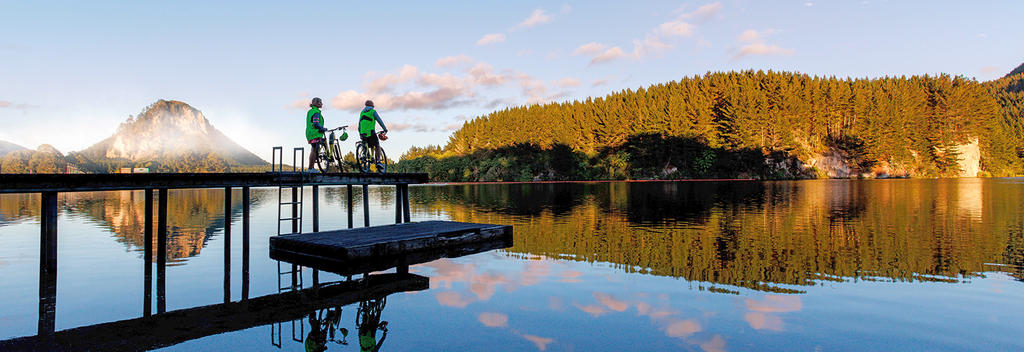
(492, 38)
(568, 82)
(608, 55)
(536, 18)
(451, 61)
(592, 48)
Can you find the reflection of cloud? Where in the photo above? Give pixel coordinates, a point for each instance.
(535, 271)
(453, 299)
(762, 321)
(483, 286)
(571, 276)
(716, 344)
(541, 342)
(447, 272)
(494, 320)
(556, 304)
(610, 302)
(775, 304)
(683, 328)
(592, 309)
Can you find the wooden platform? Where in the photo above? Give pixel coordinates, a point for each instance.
(355, 251)
(29, 183)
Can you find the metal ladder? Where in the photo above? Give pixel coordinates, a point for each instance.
(295, 205)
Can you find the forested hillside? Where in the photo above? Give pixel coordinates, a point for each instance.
(746, 124)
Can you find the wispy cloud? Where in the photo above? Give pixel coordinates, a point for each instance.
(599, 82)
(567, 82)
(592, 48)
(492, 38)
(754, 43)
(608, 55)
(654, 42)
(536, 18)
(452, 61)
(17, 106)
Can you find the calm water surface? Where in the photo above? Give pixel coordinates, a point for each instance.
(713, 266)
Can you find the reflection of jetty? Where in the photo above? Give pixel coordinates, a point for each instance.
(178, 326)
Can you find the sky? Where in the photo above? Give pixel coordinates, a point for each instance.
(71, 72)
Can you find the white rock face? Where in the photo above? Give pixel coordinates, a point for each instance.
(167, 127)
(969, 158)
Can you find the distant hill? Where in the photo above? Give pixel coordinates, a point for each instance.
(7, 147)
(1016, 71)
(167, 136)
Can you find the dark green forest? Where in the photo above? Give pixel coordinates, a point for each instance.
(750, 124)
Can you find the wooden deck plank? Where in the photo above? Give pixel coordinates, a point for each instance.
(30, 183)
(381, 247)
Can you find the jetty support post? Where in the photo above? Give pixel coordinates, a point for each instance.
(405, 202)
(47, 266)
(227, 244)
(147, 234)
(398, 204)
(316, 227)
(366, 205)
(245, 242)
(349, 208)
(161, 251)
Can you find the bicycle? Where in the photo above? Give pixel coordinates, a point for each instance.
(377, 163)
(329, 151)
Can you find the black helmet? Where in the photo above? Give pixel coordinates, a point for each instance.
(369, 103)
(317, 103)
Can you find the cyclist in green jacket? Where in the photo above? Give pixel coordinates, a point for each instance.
(367, 122)
(314, 129)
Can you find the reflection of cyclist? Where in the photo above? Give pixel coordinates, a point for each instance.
(367, 121)
(321, 326)
(314, 129)
(368, 322)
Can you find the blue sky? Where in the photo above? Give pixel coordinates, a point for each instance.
(73, 71)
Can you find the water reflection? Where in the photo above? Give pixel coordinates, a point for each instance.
(757, 234)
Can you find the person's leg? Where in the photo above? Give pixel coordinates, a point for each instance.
(312, 154)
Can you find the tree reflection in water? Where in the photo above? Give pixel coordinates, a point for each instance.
(757, 235)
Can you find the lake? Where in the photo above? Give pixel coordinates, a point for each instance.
(824, 265)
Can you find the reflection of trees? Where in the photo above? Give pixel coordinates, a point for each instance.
(758, 234)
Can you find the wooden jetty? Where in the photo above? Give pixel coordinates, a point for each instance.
(155, 187)
(174, 327)
(363, 250)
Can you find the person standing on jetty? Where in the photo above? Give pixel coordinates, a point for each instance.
(314, 129)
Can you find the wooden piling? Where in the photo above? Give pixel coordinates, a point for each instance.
(349, 208)
(227, 244)
(366, 205)
(245, 243)
(147, 232)
(161, 251)
(47, 265)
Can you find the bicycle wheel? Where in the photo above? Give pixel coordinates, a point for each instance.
(336, 150)
(362, 157)
(380, 161)
(323, 161)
